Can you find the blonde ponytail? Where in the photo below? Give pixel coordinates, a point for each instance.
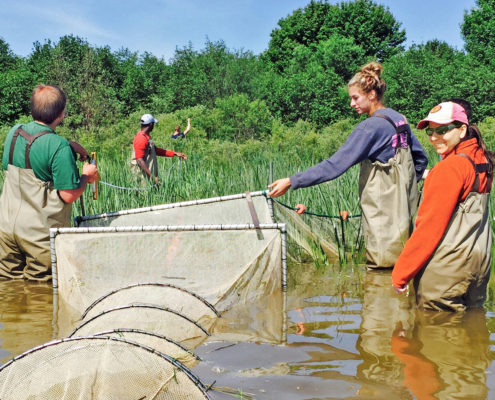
(369, 78)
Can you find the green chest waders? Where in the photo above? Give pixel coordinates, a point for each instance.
(150, 160)
(29, 207)
(456, 276)
(389, 200)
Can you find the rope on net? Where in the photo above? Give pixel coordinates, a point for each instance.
(125, 188)
(343, 214)
(135, 188)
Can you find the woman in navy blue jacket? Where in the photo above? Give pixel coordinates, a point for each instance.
(392, 161)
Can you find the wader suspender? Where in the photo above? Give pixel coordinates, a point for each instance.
(398, 130)
(30, 139)
(483, 167)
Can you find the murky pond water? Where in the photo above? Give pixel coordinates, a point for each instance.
(343, 335)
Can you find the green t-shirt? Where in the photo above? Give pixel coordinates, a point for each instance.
(52, 158)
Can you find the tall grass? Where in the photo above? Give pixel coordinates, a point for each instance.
(218, 168)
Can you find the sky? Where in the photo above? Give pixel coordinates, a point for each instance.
(162, 26)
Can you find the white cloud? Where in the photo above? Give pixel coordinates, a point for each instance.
(56, 18)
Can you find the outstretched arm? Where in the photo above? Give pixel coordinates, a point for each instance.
(182, 156)
(188, 127)
(279, 187)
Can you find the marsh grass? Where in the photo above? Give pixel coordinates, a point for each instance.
(217, 168)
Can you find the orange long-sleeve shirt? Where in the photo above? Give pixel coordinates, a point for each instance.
(447, 184)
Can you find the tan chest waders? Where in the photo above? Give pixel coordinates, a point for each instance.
(150, 160)
(389, 199)
(456, 276)
(29, 207)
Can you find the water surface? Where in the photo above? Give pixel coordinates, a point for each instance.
(336, 335)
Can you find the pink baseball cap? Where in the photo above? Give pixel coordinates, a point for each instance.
(445, 113)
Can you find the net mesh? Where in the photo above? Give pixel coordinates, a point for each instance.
(165, 295)
(145, 283)
(330, 234)
(151, 318)
(225, 267)
(97, 368)
(157, 342)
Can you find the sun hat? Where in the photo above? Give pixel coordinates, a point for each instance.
(147, 119)
(445, 113)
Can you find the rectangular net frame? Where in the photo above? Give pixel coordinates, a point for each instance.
(226, 263)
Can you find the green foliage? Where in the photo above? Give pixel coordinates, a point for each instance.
(237, 118)
(428, 74)
(478, 30)
(16, 85)
(309, 88)
(215, 72)
(372, 26)
(303, 142)
(314, 55)
(79, 70)
(7, 59)
(235, 95)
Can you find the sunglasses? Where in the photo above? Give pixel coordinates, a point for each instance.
(441, 130)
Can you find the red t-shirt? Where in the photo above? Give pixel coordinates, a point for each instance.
(447, 184)
(140, 144)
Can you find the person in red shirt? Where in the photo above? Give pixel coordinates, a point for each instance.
(145, 152)
(449, 253)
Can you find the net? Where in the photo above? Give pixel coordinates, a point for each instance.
(233, 209)
(97, 368)
(134, 289)
(156, 319)
(103, 263)
(335, 236)
(165, 295)
(157, 342)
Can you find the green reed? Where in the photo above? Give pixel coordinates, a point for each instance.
(203, 177)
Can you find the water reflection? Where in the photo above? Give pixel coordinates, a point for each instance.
(348, 335)
(434, 355)
(380, 371)
(446, 355)
(26, 314)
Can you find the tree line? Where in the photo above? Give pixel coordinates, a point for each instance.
(302, 75)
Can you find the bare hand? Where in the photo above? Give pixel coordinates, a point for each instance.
(83, 154)
(182, 156)
(300, 208)
(400, 290)
(91, 172)
(157, 180)
(279, 187)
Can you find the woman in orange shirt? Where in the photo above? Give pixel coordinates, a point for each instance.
(449, 252)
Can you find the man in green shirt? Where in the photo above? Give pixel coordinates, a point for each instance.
(41, 183)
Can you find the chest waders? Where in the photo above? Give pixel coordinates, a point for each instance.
(389, 200)
(149, 159)
(457, 274)
(29, 207)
